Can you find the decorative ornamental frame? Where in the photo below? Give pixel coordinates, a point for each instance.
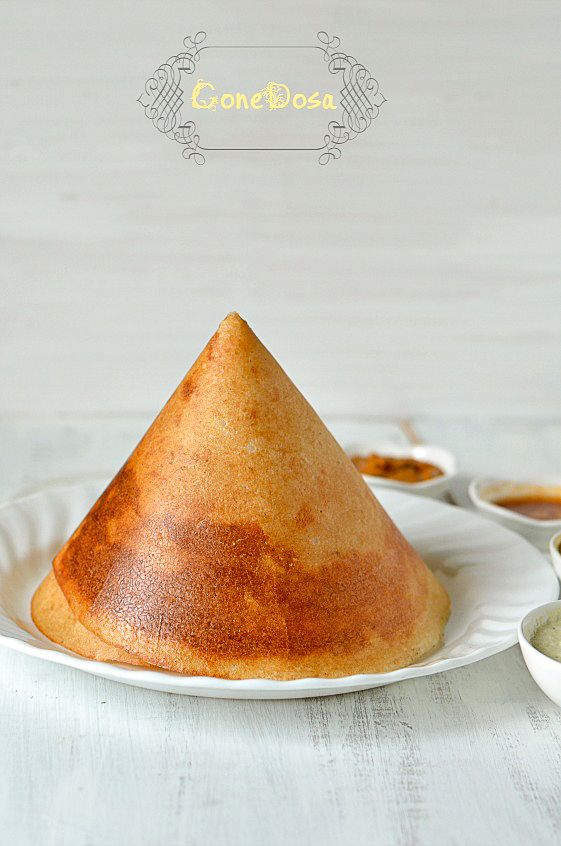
(360, 98)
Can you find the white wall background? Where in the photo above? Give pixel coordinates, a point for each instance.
(419, 274)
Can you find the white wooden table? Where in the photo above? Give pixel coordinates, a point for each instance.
(472, 756)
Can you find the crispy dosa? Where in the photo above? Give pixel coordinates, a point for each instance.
(239, 540)
(52, 616)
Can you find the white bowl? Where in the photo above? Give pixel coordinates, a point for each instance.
(438, 456)
(485, 492)
(555, 552)
(545, 671)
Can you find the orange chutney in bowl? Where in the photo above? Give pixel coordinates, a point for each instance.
(409, 470)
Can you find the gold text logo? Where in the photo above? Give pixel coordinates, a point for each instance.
(189, 112)
(275, 95)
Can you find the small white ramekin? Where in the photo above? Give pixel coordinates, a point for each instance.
(545, 671)
(441, 458)
(555, 552)
(485, 492)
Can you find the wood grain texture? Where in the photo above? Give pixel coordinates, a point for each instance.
(420, 273)
(468, 757)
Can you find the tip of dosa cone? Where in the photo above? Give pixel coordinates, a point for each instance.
(239, 541)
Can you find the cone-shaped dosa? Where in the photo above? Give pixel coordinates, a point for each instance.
(238, 540)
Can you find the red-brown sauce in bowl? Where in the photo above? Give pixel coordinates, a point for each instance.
(538, 506)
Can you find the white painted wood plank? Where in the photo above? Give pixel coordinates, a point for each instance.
(471, 757)
(420, 274)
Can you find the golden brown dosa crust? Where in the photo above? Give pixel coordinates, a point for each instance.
(238, 540)
(52, 616)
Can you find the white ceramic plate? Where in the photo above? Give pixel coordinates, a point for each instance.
(493, 576)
